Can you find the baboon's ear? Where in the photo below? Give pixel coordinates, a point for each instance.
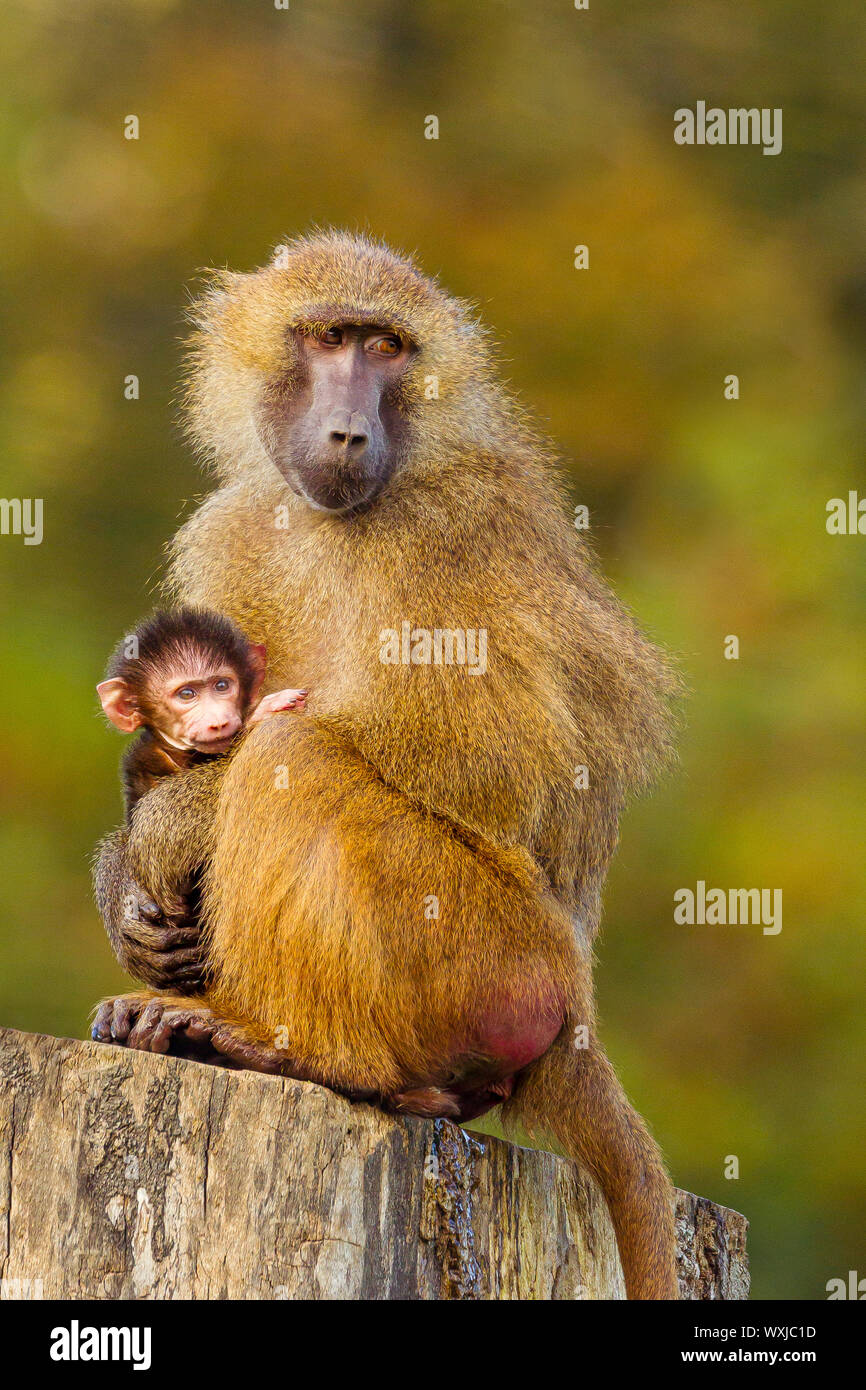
(119, 705)
(257, 656)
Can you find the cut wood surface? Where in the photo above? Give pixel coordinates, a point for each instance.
(126, 1175)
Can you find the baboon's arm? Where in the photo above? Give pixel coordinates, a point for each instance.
(144, 873)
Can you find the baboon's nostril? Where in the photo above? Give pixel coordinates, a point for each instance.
(348, 429)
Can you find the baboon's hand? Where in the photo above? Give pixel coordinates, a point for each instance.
(146, 874)
(159, 944)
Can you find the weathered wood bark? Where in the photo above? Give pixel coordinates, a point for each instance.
(124, 1175)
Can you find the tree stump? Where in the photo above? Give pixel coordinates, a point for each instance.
(126, 1176)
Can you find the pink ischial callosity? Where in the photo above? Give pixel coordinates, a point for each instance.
(483, 1070)
(512, 1036)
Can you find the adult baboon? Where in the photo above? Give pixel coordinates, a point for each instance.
(400, 888)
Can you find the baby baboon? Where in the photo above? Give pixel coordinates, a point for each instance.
(187, 679)
(411, 920)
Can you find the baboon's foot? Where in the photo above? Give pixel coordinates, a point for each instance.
(114, 1019)
(185, 1028)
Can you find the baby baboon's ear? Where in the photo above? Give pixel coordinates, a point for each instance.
(118, 702)
(257, 657)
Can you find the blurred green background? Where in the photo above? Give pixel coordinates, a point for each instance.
(556, 128)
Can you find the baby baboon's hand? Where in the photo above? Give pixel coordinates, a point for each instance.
(280, 700)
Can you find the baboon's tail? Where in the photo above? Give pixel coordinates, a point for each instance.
(573, 1095)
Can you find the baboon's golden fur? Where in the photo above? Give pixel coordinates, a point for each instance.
(412, 782)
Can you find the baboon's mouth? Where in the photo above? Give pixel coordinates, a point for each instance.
(337, 497)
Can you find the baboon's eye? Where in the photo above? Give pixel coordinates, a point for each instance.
(331, 337)
(186, 692)
(387, 345)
